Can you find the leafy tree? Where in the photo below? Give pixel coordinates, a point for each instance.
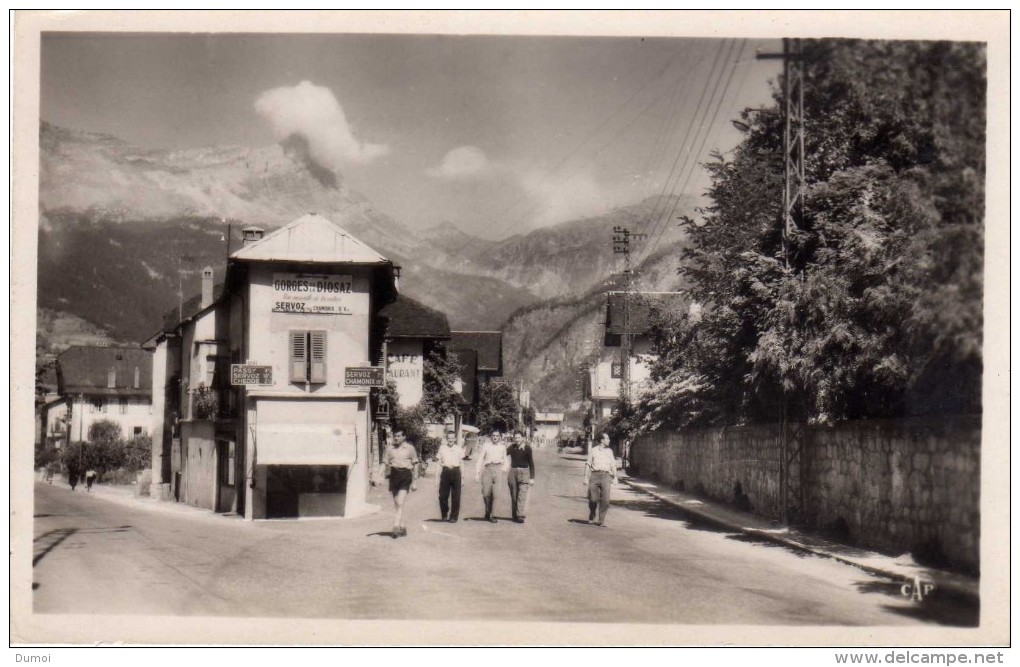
(875, 309)
(439, 379)
(45, 454)
(497, 408)
(138, 453)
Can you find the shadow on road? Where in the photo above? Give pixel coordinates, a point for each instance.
(583, 522)
(761, 541)
(382, 533)
(47, 542)
(940, 606)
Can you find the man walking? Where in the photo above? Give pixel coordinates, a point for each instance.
(492, 461)
(599, 476)
(522, 475)
(402, 469)
(450, 455)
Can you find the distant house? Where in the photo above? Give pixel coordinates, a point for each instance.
(263, 386)
(101, 383)
(547, 427)
(627, 314)
(413, 332)
(480, 355)
(51, 412)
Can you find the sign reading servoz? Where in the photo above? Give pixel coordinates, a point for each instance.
(313, 294)
(364, 376)
(248, 374)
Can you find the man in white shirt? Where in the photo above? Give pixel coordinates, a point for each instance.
(599, 476)
(492, 462)
(449, 456)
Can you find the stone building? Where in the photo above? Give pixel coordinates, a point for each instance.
(413, 332)
(100, 383)
(262, 385)
(628, 316)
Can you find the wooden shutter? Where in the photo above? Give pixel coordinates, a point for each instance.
(317, 358)
(298, 356)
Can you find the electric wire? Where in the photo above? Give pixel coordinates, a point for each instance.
(709, 130)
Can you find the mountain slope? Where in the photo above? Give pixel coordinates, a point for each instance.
(547, 344)
(573, 257)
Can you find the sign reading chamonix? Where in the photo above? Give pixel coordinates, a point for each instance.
(313, 294)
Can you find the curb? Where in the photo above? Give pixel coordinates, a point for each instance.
(959, 590)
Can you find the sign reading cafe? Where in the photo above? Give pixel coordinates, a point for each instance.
(306, 293)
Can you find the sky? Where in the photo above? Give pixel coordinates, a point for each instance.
(495, 134)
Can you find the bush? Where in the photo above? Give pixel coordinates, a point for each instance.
(138, 453)
(207, 402)
(45, 454)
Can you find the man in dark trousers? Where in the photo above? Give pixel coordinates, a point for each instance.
(521, 475)
(599, 477)
(449, 456)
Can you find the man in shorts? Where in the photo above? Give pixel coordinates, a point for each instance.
(402, 469)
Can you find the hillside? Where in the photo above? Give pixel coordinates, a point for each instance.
(547, 344)
(573, 257)
(124, 229)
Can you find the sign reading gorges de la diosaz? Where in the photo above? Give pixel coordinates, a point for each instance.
(316, 294)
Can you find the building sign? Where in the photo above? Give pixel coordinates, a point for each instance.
(364, 376)
(314, 294)
(616, 370)
(246, 374)
(405, 367)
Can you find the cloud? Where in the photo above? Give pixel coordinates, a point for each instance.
(314, 113)
(550, 196)
(462, 163)
(563, 197)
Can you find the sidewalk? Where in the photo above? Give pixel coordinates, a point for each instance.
(900, 568)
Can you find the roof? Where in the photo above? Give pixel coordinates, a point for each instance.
(488, 345)
(310, 238)
(410, 319)
(86, 370)
(631, 312)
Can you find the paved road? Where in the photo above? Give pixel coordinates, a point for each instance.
(94, 554)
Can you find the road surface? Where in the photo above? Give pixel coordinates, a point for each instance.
(107, 554)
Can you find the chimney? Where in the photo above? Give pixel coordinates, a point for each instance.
(111, 378)
(138, 378)
(207, 286)
(251, 235)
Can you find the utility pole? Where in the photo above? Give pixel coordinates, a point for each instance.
(621, 246)
(793, 217)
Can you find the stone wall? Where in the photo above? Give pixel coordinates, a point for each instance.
(892, 485)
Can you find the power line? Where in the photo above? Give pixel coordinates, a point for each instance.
(680, 152)
(704, 139)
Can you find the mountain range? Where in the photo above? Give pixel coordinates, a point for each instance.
(123, 231)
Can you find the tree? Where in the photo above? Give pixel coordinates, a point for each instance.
(875, 311)
(497, 408)
(440, 377)
(138, 453)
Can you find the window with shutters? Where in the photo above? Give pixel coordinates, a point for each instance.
(308, 356)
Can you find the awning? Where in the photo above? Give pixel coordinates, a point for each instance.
(305, 444)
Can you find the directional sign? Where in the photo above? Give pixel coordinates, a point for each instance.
(247, 374)
(364, 376)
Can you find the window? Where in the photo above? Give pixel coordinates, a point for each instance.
(123, 406)
(97, 405)
(308, 356)
(138, 431)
